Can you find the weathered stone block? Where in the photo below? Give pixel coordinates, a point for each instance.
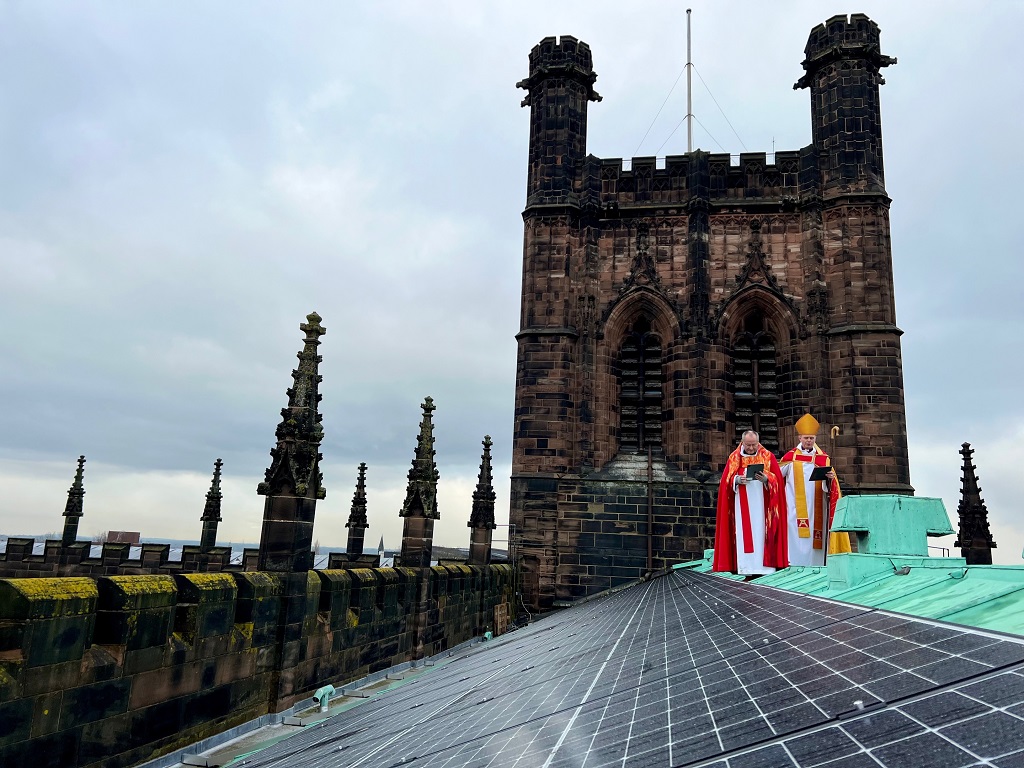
(207, 706)
(156, 722)
(335, 597)
(94, 702)
(15, 721)
(134, 593)
(57, 750)
(135, 611)
(206, 605)
(57, 640)
(44, 598)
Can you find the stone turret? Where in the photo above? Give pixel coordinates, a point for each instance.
(420, 507)
(842, 60)
(211, 512)
(560, 85)
(481, 520)
(357, 522)
(73, 508)
(293, 481)
(974, 537)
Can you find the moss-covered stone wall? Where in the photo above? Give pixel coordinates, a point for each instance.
(116, 670)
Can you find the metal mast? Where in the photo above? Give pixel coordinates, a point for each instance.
(689, 89)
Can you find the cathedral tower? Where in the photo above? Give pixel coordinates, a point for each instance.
(665, 309)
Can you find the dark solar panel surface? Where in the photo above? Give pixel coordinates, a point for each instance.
(691, 669)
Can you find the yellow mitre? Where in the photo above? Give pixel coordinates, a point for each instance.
(807, 425)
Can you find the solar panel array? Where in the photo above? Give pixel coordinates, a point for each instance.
(692, 669)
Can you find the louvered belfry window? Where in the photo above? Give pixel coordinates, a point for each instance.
(640, 391)
(755, 383)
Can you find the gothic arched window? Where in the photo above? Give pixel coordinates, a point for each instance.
(640, 392)
(755, 382)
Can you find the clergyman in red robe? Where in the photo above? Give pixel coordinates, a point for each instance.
(750, 532)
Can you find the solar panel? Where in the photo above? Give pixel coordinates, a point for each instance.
(692, 669)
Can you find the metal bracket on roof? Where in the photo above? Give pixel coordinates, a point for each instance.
(355, 694)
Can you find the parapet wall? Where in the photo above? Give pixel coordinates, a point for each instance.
(558, 54)
(114, 559)
(726, 179)
(856, 30)
(115, 670)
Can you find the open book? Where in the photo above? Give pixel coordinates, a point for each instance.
(820, 473)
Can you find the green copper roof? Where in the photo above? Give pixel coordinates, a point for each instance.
(903, 579)
(888, 525)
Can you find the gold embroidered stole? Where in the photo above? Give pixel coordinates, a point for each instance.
(803, 523)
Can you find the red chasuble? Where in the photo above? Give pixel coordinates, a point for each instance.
(775, 548)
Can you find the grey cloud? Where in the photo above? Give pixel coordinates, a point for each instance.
(183, 183)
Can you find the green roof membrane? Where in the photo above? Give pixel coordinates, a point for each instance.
(891, 569)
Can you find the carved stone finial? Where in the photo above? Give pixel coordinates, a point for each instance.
(482, 515)
(421, 493)
(73, 508)
(294, 469)
(357, 516)
(213, 496)
(974, 537)
(357, 522)
(211, 512)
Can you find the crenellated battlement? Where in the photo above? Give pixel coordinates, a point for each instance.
(82, 558)
(564, 57)
(565, 52)
(854, 30)
(748, 176)
(843, 37)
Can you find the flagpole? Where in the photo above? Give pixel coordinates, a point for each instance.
(689, 89)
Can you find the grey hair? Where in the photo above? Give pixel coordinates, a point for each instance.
(751, 432)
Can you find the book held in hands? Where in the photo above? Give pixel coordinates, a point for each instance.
(753, 470)
(820, 473)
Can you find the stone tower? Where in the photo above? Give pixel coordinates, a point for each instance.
(667, 308)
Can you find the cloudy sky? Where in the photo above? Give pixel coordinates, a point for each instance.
(181, 183)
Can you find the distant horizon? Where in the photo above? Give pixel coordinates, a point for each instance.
(234, 545)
